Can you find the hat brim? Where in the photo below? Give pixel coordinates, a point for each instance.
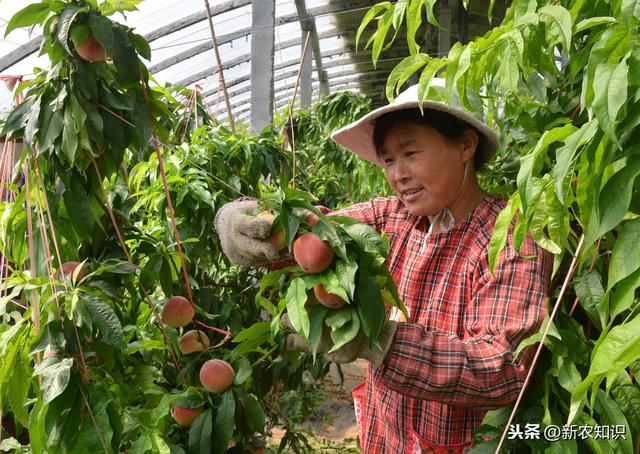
(358, 136)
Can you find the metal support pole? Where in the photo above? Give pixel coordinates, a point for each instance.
(262, 49)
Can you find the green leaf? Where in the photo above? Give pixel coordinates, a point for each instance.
(347, 332)
(611, 415)
(102, 30)
(627, 395)
(371, 15)
(105, 318)
(254, 414)
(88, 440)
(615, 196)
(593, 22)
(346, 273)
(414, 20)
(17, 118)
(316, 329)
(223, 429)
(589, 291)
(565, 155)
(568, 375)
(366, 238)
(384, 24)
(69, 136)
(18, 389)
(79, 207)
(630, 8)
(296, 298)
(200, 441)
(610, 93)
(371, 308)
(624, 294)
(125, 58)
(33, 14)
(625, 258)
(531, 163)
(257, 330)
(619, 348)
(431, 18)
(559, 23)
(402, 71)
(51, 123)
(64, 24)
(501, 231)
(55, 377)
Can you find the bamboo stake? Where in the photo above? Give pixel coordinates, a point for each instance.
(220, 70)
(161, 324)
(565, 284)
(292, 100)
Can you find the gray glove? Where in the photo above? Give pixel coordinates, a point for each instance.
(242, 236)
(352, 350)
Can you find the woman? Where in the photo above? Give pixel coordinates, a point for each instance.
(453, 359)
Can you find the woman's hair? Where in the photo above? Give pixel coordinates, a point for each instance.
(446, 124)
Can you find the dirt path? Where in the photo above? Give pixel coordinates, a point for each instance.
(340, 421)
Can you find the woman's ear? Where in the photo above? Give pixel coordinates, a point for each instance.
(469, 142)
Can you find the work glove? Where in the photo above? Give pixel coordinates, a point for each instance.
(242, 236)
(357, 348)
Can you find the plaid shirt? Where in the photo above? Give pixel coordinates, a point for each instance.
(453, 359)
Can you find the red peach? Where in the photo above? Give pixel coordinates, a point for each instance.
(312, 254)
(216, 375)
(277, 238)
(330, 300)
(193, 341)
(91, 50)
(177, 312)
(68, 268)
(312, 218)
(186, 416)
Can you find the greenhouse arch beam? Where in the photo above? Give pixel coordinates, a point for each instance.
(225, 39)
(294, 63)
(308, 25)
(341, 74)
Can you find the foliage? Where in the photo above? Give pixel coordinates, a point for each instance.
(558, 80)
(111, 378)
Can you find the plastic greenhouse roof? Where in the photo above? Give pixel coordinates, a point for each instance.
(182, 53)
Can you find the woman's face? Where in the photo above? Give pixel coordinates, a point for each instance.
(424, 168)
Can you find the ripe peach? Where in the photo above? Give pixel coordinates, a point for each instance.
(277, 239)
(68, 268)
(330, 300)
(312, 254)
(193, 341)
(177, 312)
(186, 416)
(216, 375)
(91, 50)
(312, 218)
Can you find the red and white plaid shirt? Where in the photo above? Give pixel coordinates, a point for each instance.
(453, 359)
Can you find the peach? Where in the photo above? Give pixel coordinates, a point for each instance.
(312, 254)
(312, 218)
(186, 416)
(177, 312)
(330, 300)
(91, 50)
(193, 341)
(216, 375)
(277, 238)
(68, 268)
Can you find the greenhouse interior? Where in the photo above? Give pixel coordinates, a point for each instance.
(308, 226)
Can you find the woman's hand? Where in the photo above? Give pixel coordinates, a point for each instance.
(243, 236)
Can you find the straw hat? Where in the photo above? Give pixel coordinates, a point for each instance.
(358, 136)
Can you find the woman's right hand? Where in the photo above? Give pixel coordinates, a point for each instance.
(243, 236)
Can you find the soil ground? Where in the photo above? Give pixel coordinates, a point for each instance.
(338, 423)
